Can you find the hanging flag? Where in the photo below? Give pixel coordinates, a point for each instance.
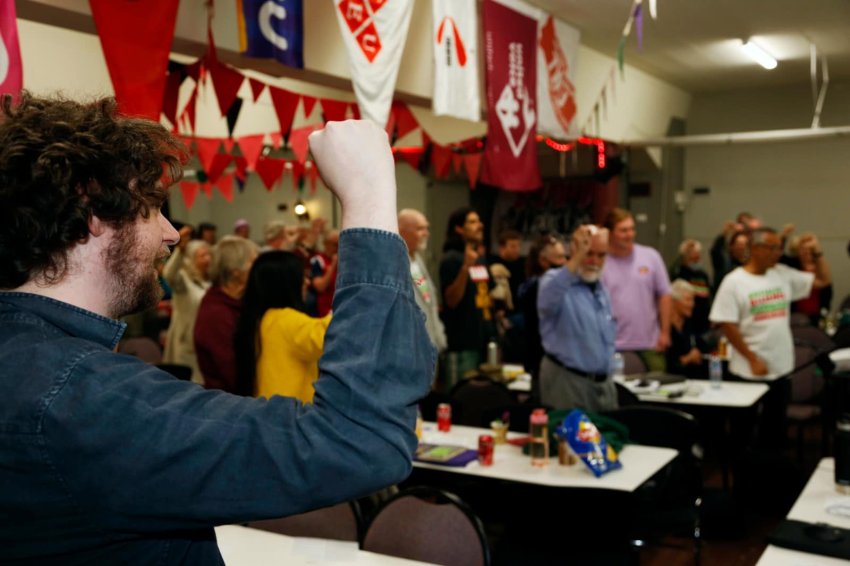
(11, 70)
(374, 32)
(272, 29)
(510, 157)
(557, 55)
(136, 38)
(455, 42)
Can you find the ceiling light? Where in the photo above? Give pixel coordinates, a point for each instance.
(758, 55)
(300, 210)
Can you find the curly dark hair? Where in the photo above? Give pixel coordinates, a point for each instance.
(62, 162)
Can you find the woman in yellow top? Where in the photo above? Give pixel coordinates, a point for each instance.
(278, 346)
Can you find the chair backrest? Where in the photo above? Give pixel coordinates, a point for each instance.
(179, 371)
(633, 363)
(814, 337)
(799, 319)
(430, 525)
(806, 384)
(625, 396)
(478, 395)
(143, 348)
(338, 522)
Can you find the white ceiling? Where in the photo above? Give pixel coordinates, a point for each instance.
(694, 43)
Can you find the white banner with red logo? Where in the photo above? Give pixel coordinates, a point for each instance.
(374, 32)
(455, 41)
(11, 71)
(557, 54)
(510, 156)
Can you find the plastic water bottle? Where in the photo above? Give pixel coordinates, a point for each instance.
(715, 371)
(618, 367)
(538, 447)
(493, 353)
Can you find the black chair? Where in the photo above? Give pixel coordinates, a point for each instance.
(342, 521)
(431, 525)
(671, 500)
(179, 371)
(806, 405)
(633, 363)
(625, 396)
(478, 396)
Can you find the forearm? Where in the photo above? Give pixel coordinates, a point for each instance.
(322, 282)
(823, 275)
(454, 292)
(665, 307)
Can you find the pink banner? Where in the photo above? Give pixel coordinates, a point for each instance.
(510, 157)
(11, 71)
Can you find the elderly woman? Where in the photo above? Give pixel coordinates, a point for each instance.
(689, 268)
(683, 356)
(232, 258)
(186, 274)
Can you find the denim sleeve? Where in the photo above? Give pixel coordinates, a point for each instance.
(137, 450)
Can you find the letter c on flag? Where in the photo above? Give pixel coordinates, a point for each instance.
(268, 11)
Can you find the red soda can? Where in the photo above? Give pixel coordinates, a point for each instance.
(444, 417)
(485, 450)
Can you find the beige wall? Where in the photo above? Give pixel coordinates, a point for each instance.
(804, 182)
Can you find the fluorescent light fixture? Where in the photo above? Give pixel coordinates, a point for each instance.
(758, 55)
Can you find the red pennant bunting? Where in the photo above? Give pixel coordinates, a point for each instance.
(189, 111)
(228, 144)
(441, 158)
(256, 88)
(309, 103)
(312, 173)
(411, 155)
(136, 39)
(355, 111)
(298, 141)
(207, 188)
(219, 163)
(225, 186)
(269, 169)
(241, 167)
(189, 190)
(457, 163)
(298, 170)
(170, 96)
(405, 121)
(334, 110)
(390, 126)
(277, 140)
(473, 166)
(194, 70)
(207, 149)
(226, 82)
(285, 104)
(251, 147)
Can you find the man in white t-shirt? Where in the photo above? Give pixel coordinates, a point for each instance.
(752, 308)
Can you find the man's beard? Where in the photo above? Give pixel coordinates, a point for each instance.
(423, 245)
(134, 288)
(589, 275)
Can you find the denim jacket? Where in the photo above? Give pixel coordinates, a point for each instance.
(105, 459)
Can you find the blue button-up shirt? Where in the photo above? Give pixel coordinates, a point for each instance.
(576, 324)
(107, 460)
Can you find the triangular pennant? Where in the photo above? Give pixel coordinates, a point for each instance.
(207, 188)
(309, 103)
(189, 110)
(219, 163)
(298, 141)
(207, 149)
(136, 39)
(355, 111)
(297, 172)
(457, 163)
(333, 110)
(277, 139)
(240, 184)
(194, 70)
(473, 166)
(269, 169)
(228, 144)
(226, 83)
(411, 156)
(233, 115)
(441, 157)
(256, 88)
(225, 187)
(170, 96)
(285, 103)
(241, 167)
(312, 174)
(251, 147)
(405, 121)
(189, 190)
(390, 126)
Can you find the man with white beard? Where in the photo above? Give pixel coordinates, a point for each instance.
(577, 328)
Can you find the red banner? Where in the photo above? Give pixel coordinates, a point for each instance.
(510, 158)
(136, 38)
(11, 71)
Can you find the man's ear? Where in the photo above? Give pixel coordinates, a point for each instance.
(97, 227)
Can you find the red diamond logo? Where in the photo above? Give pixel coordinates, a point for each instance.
(359, 15)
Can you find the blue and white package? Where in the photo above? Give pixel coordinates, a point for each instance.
(587, 443)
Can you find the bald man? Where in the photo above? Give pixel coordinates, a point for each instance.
(414, 230)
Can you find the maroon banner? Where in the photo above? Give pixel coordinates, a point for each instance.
(510, 157)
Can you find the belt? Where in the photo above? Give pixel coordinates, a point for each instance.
(595, 377)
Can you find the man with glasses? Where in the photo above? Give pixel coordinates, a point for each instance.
(752, 307)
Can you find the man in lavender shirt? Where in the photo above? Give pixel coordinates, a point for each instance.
(637, 281)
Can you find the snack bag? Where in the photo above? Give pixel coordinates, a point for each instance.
(587, 443)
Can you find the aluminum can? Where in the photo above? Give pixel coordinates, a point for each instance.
(485, 450)
(444, 417)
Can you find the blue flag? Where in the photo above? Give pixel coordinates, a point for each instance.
(273, 29)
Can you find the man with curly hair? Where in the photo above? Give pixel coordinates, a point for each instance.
(105, 459)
